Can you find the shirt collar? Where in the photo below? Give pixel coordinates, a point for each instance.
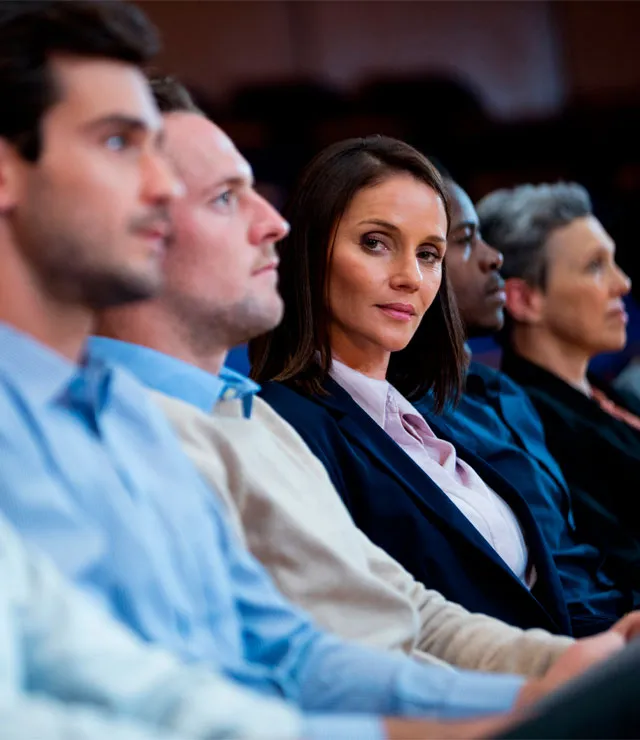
(369, 393)
(42, 375)
(175, 377)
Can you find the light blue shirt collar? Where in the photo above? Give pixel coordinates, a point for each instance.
(43, 376)
(176, 378)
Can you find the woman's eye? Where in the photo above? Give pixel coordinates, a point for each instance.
(428, 256)
(372, 243)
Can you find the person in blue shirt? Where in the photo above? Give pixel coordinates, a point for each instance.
(72, 671)
(496, 419)
(90, 470)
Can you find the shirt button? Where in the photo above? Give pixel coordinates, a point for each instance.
(229, 394)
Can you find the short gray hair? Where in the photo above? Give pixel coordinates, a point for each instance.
(519, 221)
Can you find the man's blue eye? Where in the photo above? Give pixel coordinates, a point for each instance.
(116, 142)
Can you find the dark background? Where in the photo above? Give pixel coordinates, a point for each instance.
(499, 92)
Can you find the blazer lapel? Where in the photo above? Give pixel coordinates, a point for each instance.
(365, 433)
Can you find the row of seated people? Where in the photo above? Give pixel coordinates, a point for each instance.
(494, 417)
(407, 587)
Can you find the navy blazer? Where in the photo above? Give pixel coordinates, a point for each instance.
(403, 511)
(496, 421)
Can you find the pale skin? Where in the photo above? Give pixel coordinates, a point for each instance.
(221, 270)
(579, 313)
(86, 224)
(222, 222)
(385, 271)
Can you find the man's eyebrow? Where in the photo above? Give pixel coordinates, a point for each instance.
(129, 123)
(466, 225)
(230, 182)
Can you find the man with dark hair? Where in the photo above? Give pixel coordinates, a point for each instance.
(496, 419)
(32, 37)
(84, 191)
(79, 143)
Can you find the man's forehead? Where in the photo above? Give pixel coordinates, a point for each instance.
(202, 150)
(463, 211)
(101, 88)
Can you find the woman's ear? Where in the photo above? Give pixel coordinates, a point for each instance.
(524, 302)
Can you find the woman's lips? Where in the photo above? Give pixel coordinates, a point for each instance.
(398, 311)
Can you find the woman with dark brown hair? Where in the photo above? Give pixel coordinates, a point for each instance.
(370, 325)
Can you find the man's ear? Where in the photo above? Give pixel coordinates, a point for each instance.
(524, 303)
(9, 169)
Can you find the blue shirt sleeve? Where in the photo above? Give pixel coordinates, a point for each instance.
(322, 673)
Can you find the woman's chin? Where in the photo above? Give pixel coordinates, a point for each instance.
(396, 344)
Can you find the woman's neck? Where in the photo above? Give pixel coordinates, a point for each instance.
(565, 360)
(369, 360)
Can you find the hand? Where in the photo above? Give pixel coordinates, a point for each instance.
(628, 626)
(575, 660)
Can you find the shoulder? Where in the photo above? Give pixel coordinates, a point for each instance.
(312, 417)
(294, 405)
(192, 425)
(483, 371)
(177, 410)
(133, 399)
(269, 418)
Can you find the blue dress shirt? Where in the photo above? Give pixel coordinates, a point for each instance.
(68, 669)
(92, 472)
(496, 420)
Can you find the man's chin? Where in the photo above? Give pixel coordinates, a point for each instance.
(259, 323)
(478, 330)
(112, 291)
(616, 344)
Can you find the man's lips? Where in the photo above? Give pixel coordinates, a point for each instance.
(269, 267)
(618, 312)
(496, 291)
(159, 235)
